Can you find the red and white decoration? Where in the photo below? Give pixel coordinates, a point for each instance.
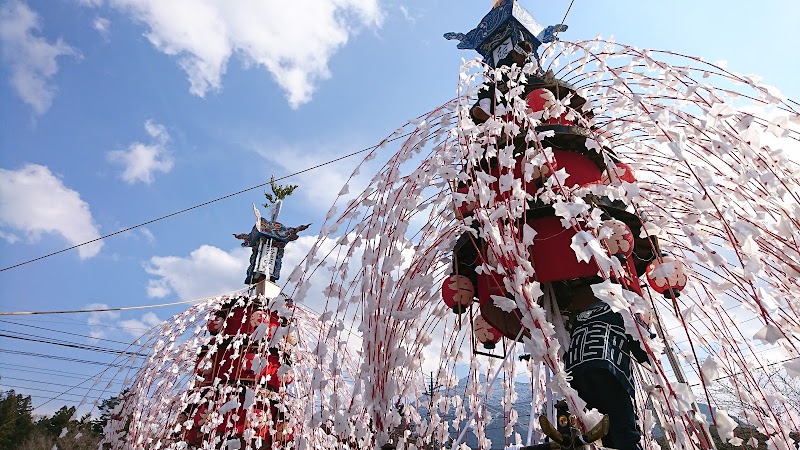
(620, 242)
(667, 276)
(485, 333)
(458, 292)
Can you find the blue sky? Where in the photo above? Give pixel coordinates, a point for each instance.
(115, 112)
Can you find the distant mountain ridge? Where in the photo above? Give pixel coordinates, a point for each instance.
(495, 428)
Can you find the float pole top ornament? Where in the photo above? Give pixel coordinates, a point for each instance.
(500, 31)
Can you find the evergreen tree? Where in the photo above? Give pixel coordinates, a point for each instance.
(16, 421)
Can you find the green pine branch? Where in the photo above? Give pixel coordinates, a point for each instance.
(278, 192)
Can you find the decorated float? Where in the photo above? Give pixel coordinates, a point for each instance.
(569, 186)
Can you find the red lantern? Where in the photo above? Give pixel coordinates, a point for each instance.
(485, 333)
(458, 292)
(490, 284)
(667, 276)
(620, 242)
(539, 99)
(623, 172)
(538, 172)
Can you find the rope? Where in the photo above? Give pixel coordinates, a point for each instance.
(565, 18)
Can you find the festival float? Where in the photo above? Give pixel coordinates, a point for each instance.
(588, 225)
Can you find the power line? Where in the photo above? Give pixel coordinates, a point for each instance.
(57, 373)
(87, 389)
(73, 345)
(64, 332)
(62, 358)
(51, 399)
(123, 308)
(166, 216)
(74, 322)
(81, 397)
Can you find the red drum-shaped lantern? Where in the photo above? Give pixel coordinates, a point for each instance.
(620, 242)
(236, 421)
(623, 172)
(581, 169)
(519, 174)
(552, 257)
(667, 276)
(485, 333)
(490, 284)
(458, 292)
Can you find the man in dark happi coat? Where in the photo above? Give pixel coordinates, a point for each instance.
(599, 361)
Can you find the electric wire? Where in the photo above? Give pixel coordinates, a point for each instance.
(65, 332)
(200, 205)
(87, 389)
(56, 373)
(122, 308)
(62, 358)
(75, 346)
(74, 322)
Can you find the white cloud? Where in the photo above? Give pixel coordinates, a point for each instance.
(406, 14)
(320, 186)
(34, 201)
(11, 238)
(141, 161)
(31, 59)
(144, 231)
(293, 42)
(207, 271)
(102, 25)
(101, 321)
(137, 327)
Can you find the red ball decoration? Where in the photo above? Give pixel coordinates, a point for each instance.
(538, 99)
(621, 240)
(667, 276)
(542, 99)
(485, 333)
(458, 292)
